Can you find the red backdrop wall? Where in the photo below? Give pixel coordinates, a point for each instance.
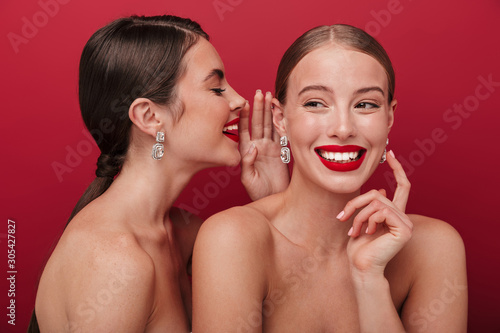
(448, 86)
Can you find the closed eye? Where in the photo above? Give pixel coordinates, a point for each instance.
(218, 91)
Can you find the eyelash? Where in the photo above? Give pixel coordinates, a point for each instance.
(218, 91)
(362, 105)
(371, 105)
(310, 104)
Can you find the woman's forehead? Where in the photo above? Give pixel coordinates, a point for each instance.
(337, 66)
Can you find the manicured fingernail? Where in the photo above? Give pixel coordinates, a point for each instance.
(340, 215)
(350, 232)
(366, 231)
(268, 93)
(258, 91)
(392, 153)
(252, 148)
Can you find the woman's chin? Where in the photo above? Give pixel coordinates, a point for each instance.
(234, 161)
(341, 184)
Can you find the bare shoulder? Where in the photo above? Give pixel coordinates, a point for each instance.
(433, 232)
(231, 259)
(102, 238)
(96, 248)
(93, 264)
(100, 254)
(251, 223)
(434, 243)
(235, 238)
(238, 225)
(434, 260)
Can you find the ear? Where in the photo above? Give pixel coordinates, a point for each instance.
(392, 109)
(146, 116)
(279, 120)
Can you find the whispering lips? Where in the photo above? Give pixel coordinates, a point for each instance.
(231, 130)
(341, 158)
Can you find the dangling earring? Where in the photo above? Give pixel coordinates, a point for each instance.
(384, 155)
(158, 148)
(285, 151)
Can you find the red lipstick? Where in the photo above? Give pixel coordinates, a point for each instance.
(231, 131)
(343, 165)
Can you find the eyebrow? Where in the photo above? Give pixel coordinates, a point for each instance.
(368, 89)
(315, 87)
(214, 72)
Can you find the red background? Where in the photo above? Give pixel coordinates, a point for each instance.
(439, 50)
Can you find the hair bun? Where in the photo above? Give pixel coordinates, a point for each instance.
(108, 166)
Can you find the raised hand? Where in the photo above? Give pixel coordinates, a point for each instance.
(381, 228)
(262, 172)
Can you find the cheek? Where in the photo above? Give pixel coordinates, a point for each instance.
(305, 128)
(374, 129)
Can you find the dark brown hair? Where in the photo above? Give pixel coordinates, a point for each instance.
(129, 58)
(317, 37)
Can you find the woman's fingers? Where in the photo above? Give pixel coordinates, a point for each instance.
(400, 195)
(370, 214)
(403, 188)
(359, 202)
(243, 125)
(375, 207)
(365, 214)
(370, 205)
(380, 213)
(376, 218)
(268, 116)
(258, 115)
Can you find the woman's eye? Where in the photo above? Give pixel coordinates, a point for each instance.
(218, 91)
(314, 104)
(366, 105)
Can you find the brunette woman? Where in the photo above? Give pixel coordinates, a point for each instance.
(153, 93)
(321, 256)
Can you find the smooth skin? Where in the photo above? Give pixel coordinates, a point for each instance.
(321, 256)
(123, 263)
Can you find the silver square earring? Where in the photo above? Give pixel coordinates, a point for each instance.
(384, 155)
(285, 151)
(158, 148)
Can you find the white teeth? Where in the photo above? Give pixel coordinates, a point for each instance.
(339, 157)
(229, 128)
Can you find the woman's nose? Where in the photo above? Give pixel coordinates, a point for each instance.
(341, 124)
(236, 102)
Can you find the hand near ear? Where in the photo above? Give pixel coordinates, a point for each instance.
(262, 172)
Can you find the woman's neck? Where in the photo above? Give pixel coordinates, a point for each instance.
(311, 213)
(149, 188)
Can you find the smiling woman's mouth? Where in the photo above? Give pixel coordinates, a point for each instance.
(341, 158)
(231, 130)
(338, 157)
